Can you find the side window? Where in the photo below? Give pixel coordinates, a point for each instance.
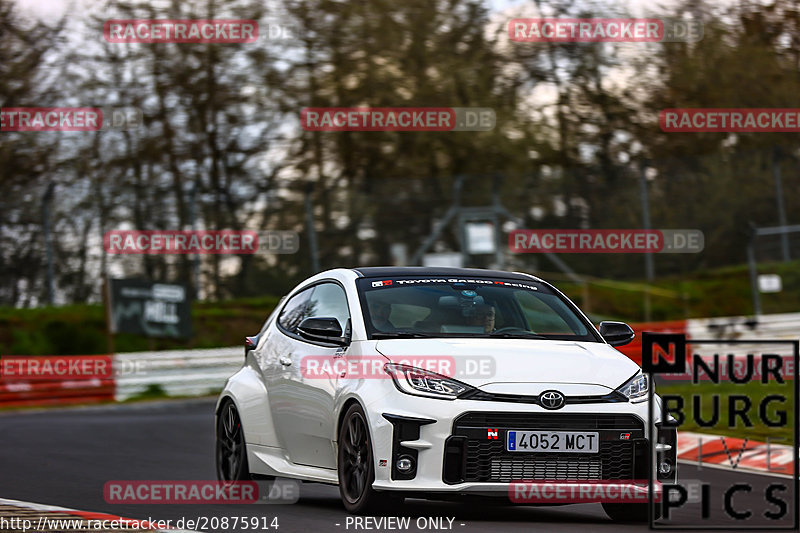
(297, 309)
(271, 316)
(544, 319)
(329, 300)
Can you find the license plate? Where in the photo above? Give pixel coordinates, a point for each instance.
(553, 441)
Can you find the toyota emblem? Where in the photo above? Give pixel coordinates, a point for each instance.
(551, 399)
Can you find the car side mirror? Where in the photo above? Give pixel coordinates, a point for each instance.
(616, 333)
(322, 329)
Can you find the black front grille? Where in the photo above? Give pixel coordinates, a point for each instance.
(557, 468)
(553, 420)
(485, 459)
(477, 394)
(488, 461)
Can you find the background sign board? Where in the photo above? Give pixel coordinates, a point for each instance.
(770, 283)
(443, 259)
(480, 238)
(150, 309)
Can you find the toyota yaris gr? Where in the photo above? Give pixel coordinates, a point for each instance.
(442, 383)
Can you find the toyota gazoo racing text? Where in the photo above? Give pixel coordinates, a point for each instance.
(443, 383)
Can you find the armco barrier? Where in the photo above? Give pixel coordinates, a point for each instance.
(56, 392)
(47, 380)
(784, 326)
(177, 372)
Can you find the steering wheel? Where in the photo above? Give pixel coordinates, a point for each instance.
(510, 328)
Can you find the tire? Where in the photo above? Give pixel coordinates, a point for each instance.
(231, 453)
(356, 468)
(630, 512)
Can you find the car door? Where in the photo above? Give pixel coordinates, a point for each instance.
(302, 401)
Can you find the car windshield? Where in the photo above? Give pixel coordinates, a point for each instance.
(431, 307)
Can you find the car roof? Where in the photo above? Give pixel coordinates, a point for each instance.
(394, 271)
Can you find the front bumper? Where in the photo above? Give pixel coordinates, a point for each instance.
(453, 450)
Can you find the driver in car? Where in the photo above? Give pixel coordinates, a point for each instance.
(482, 315)
(380, 312)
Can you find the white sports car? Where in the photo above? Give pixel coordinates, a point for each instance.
(395, 382)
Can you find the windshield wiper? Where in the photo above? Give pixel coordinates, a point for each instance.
(400, 335)
(515, 334)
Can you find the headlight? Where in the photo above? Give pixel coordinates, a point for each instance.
(418, 382)
(636, 388)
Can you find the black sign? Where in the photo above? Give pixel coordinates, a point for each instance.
(663, 353)
(737, 392)
(151, 309)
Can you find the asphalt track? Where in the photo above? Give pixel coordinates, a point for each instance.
(64, 457)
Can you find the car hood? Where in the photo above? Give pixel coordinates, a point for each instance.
(517, 366)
